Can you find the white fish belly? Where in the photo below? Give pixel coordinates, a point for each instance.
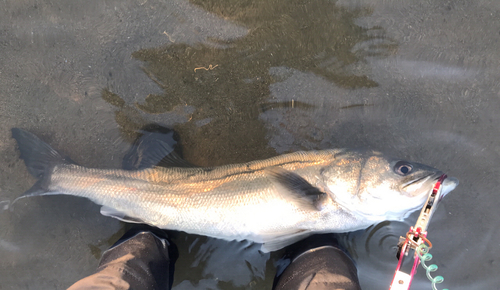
(256, 222)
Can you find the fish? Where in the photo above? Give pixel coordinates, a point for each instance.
(274, 202)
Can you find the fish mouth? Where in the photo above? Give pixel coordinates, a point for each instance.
(422, 179)
(448, 185)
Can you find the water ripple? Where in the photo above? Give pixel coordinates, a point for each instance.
(374, 251)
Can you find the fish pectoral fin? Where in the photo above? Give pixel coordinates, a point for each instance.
(111, 212)
(297, 188)
(282, 241)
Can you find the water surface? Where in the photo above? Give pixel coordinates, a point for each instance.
(244, 80)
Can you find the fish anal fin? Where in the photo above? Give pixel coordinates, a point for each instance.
(111, 212)
(283, 241)
(297, 188)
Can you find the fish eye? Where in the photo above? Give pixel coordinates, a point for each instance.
(403, 168)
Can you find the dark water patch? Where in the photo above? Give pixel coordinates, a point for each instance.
(227, 81)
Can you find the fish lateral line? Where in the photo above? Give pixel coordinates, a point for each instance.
(199, 174)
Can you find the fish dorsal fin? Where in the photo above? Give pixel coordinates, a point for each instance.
(111, 212)
(297, 188)
(155, 147)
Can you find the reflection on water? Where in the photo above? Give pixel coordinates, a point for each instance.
(227, 82)
(378, 242)
(220, 264)
(375, 250)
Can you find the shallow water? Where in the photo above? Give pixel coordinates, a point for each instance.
(239, 82)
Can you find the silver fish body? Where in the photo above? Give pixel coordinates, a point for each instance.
(274, 201)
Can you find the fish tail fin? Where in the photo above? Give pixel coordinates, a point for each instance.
(39, 158)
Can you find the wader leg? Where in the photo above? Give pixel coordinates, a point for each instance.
(142, 259)
(316, 263)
